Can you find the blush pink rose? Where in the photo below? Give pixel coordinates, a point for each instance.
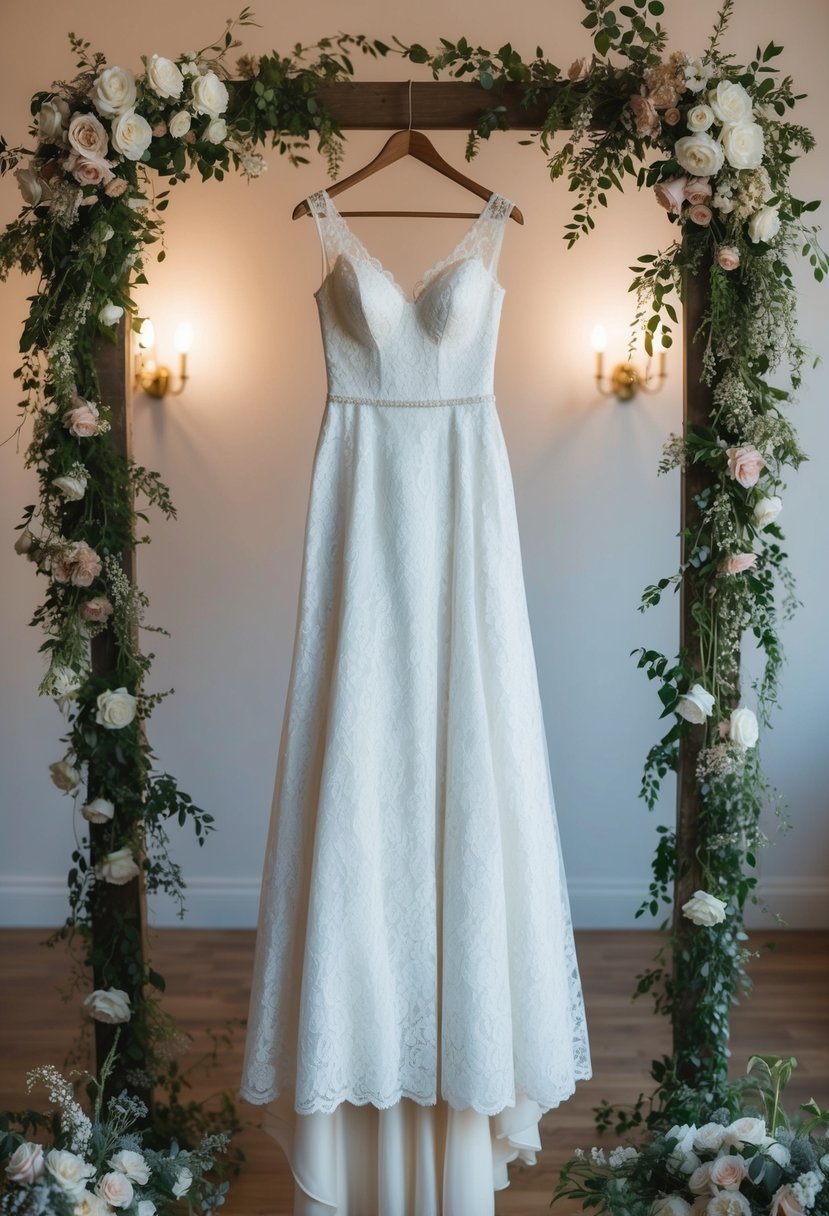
(671, 194)
(81, 419)
(115, 188)
(728, 257)
(700, 214)
(728, 1172)
(672, 116)
(97, 609)
(698, 190)
(784, 1203)
(86, 134)
(26, 1163)
(159, 129)
(86, 565)
(737, 563)
(644, 111)
(88, 170)
(745, 464)
(700, 1181)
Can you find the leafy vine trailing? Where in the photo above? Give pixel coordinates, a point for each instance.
(714, 141)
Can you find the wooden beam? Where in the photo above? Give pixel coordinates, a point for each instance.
(437, 105)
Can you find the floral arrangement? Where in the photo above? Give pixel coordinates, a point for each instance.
(723, 1164)
(99, 1164)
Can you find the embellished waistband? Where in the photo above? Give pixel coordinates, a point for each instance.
(482, 399)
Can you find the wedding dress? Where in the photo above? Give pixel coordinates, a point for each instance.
(416, 1003)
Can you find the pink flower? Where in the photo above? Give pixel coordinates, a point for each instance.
(671, 194)
(784, 1203)
(672, 116)
(738, 563)
(700, 1181)
(88, 170)
(82, 419)
(86, 134)
(700, 214)
(698, 190)
(25, 1163)
(86, 565)
(576, 71)
(728, 1172)
(644, 111)
(745, 464)
(116, 187)
(159, 129)
(728, 257)
(97, 609)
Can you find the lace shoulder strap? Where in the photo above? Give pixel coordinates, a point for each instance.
(336, 237)
(482, 239)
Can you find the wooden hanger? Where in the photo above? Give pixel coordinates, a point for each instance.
(416, 144)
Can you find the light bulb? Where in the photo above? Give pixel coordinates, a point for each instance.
(598, 339)
(146, 335)
(183, 337)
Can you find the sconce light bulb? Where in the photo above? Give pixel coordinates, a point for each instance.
(599, 339)
(146, 335)
(183, 337)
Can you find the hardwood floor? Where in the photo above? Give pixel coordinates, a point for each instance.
(208, 976)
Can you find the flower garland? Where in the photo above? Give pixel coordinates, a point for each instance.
(723, 157)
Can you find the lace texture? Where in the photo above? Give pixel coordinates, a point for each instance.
(414, 933)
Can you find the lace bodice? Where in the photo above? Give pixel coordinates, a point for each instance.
(383, 344)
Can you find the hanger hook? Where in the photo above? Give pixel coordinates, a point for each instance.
(410, 105)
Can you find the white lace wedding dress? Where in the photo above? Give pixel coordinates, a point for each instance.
(416, 1003)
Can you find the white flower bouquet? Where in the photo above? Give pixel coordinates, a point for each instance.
(91, 1166)
(759, 1163)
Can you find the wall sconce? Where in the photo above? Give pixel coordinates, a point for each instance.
(625, 379)
(153, 378)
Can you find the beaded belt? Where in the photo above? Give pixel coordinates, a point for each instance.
(480, 400)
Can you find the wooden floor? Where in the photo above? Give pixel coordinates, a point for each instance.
(208, 974)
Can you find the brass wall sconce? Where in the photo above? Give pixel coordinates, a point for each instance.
(154, 378)
(625, 378)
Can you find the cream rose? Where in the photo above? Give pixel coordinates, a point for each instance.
(738, 563)
(180, 124)
(65, 776)
(115, 1189)
(69, 1170)
(729, 1203)
(81, 419)
(215, 131)
(182, 1183)
(99, 810)
(699, 118)
(71, 485)
(696, 705)
(743, 145)
(744, 731)
(728, 257)
(163, 77)
(116, 708)
(766, 511)
(670, 1205)
(87, 136)
(25, 1163)
(764, 225)
(118, 868)
(730, 102)
(704, 909)
(131, 135)
(114, 92)
(133, 1165)
(728, 1172)
(31, 184)
(110, 314)
(209, 95)
(784, 1203)
(745, 1131)
(112, 1006)
(700, 1181)
(699, 154)
(52, 119)
(96, 609)
(709, 1138)
(745, 464)
(90, 1204)
(671, 194)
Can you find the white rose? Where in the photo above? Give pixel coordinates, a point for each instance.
(670, 1205)
(115, 1189)
(215, 131)
(730, 102)
(116, 708)
(729, 1203)
(64, 776)
(745, 1131)
(69, 1170)
(164, 77)
(90, 1204)
(112, 1006)
(743, 731)
(31, 185)
(52, 121)
(147, 1208)
(72, 486)
(131, 135)
(209, 95)
(179, 124)
(99, 810)
(699, 118)
(118, 868)
(182, 1183)
(25, 1163)
(766, 511)
(709, 1138)
(114, 91)
(743, 145)
(696, 705)
(781, 1155)
(764, 224)
(704, 909)
(699, 154)
(132, 1164)
(110, 314)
